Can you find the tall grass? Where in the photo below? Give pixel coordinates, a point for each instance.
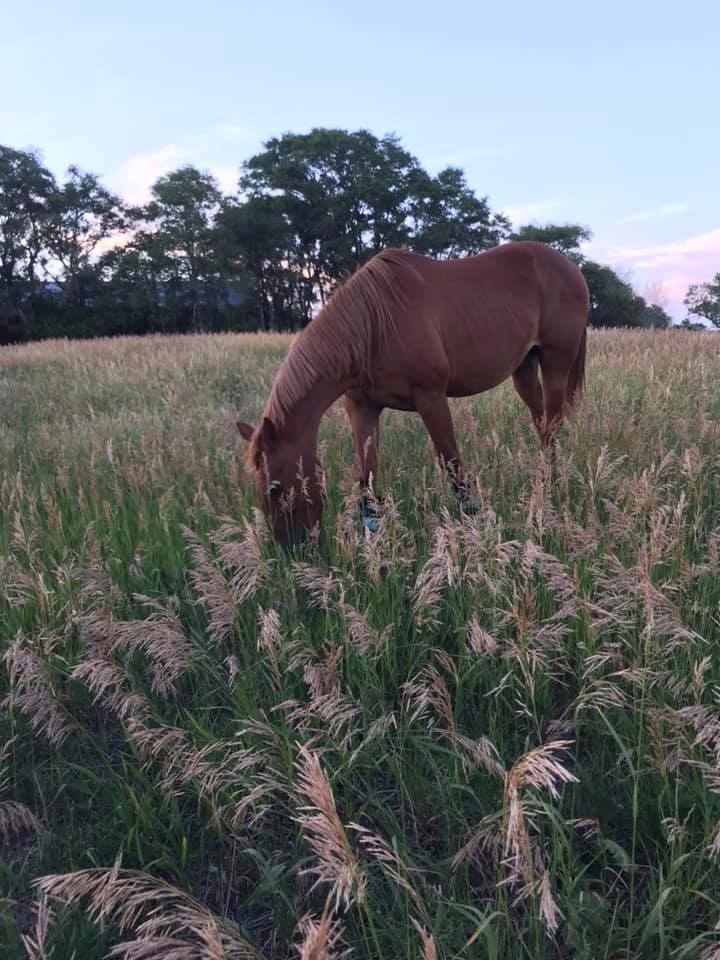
(473, 737)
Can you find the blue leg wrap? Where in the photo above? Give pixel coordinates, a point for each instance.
(369, 516)
(468, 504)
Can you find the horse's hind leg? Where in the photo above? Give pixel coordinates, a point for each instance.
(555, 366)
(527, 383)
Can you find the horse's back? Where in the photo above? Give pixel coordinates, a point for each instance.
(490, 310)
(522, 277)
(472, 321)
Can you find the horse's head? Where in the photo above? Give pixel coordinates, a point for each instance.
(288, 478)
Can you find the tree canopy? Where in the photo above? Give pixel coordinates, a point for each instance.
(309, 209)
(703, 301)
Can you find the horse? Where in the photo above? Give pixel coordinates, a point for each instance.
(407, 332)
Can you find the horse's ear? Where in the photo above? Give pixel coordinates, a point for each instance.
(246, 431)
(268, 433)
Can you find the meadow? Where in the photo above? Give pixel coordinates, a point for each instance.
(486, 737)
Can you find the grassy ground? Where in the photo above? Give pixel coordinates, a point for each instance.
(485, 737)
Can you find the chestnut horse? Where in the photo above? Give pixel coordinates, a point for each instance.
(407, 332)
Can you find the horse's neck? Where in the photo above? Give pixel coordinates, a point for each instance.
(313, 392)
(302, 421)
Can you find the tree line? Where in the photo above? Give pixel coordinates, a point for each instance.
(78, 261)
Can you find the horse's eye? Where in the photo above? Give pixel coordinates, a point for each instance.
(275, 489)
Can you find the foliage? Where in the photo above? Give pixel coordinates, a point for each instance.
(689, 325)
(83, 214)
(319, 205)
(180, 221)
(566, 237)
(26, 189)
(310, 209)
(613, 302)
(655, 316)
(703, 301)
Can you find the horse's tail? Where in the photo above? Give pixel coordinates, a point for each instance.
(576, 376)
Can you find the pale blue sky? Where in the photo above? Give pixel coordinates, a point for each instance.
(604, 113)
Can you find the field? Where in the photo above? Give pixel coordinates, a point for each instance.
(484, 737)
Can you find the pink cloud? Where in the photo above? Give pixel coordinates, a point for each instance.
(704, 244)
(675, 266)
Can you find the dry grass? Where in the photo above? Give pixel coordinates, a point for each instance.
(478, 736)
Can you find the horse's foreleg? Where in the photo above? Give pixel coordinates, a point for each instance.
(364, 419)
(435, 413)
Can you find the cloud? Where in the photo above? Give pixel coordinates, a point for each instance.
(676, 265)
(227, 175)
(523, 213)
(681, 251)
(235, 133)
(654, 213)
(109, 243)
(138, 173)
(134, 178)
(466, 157)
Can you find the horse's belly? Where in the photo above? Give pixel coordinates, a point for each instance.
(393, 391)
(476, 374)
(483, 351)
(467, 387)
(473, 366)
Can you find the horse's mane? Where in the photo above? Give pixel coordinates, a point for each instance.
(358, 318)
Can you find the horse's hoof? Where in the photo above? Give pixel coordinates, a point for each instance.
(470, 506)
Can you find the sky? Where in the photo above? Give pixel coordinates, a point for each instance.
(603, 113)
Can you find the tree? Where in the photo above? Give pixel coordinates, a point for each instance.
(256, 239)
(689, 325)
(450, 221)
(311, 209)
(181, 218)
(26, 189)
(655, 316)
(566, 237)
(131, 300)
(613, 302)
(82, 215)
(335, 198)
(703, 300)
(344, 196)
